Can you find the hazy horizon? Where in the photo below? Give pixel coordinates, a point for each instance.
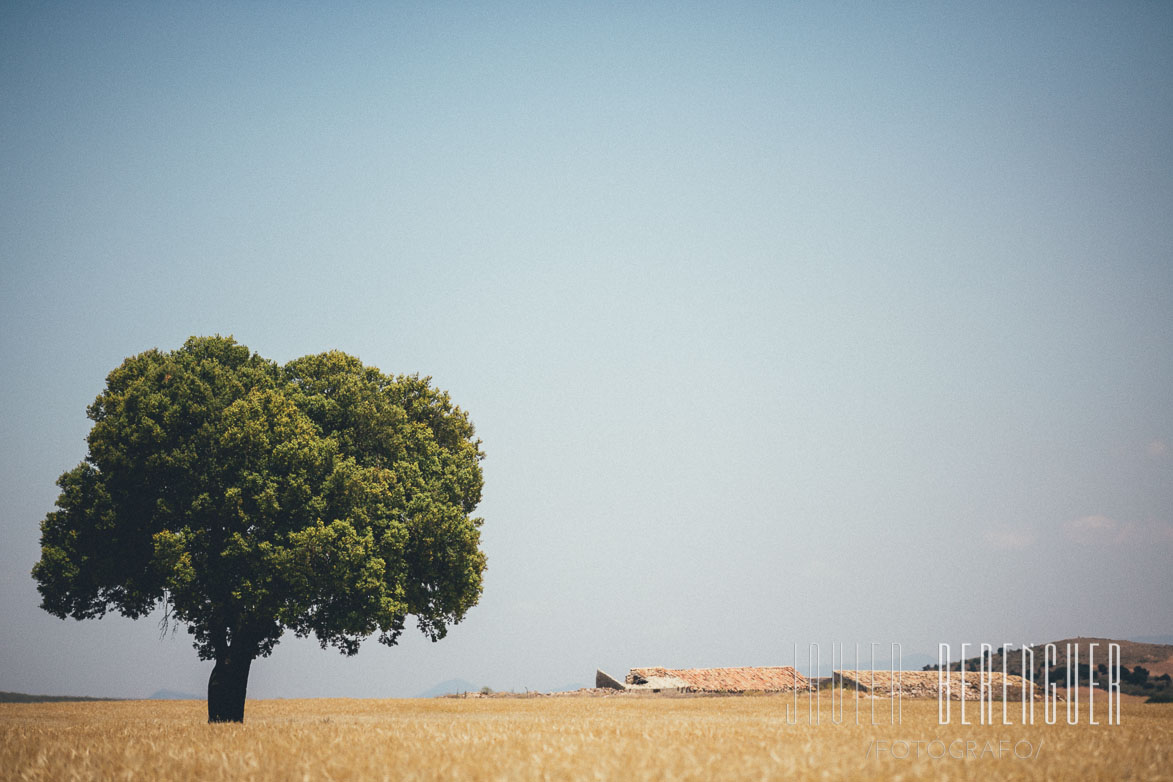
(911, 662)
(779, 323)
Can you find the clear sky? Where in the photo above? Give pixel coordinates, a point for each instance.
(781, 323)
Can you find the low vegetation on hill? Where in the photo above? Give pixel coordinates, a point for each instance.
(22, 697)
(1144, 667)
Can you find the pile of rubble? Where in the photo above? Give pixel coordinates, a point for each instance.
(868, 683)
(706, 680)
(925, 684)
(589, 692)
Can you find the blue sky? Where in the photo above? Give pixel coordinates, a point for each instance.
(781, 323)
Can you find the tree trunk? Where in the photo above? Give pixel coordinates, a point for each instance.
(227, 686)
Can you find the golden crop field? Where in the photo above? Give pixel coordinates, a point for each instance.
(620, 738)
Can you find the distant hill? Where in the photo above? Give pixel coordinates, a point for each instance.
(909, 661)
(572, 687)
(158, 695)
(1146, 668)
(172, 695)
(449, 687)
(1132, 653)
(21, 697)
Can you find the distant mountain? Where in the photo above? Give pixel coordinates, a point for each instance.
(846, 658)
(1132, 653)
(172, 695)
(449, 687)
(21, 697)
(914, 661)
(1154, 639)
(572, 687)
(1145, 668)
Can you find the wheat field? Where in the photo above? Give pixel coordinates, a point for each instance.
(734, 738)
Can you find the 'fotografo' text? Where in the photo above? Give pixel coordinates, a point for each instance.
(957, 749)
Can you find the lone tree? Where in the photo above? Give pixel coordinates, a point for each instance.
(249, 498)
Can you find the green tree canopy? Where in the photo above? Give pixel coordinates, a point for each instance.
(249, 498)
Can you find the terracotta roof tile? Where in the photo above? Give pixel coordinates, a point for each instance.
(744, 679)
